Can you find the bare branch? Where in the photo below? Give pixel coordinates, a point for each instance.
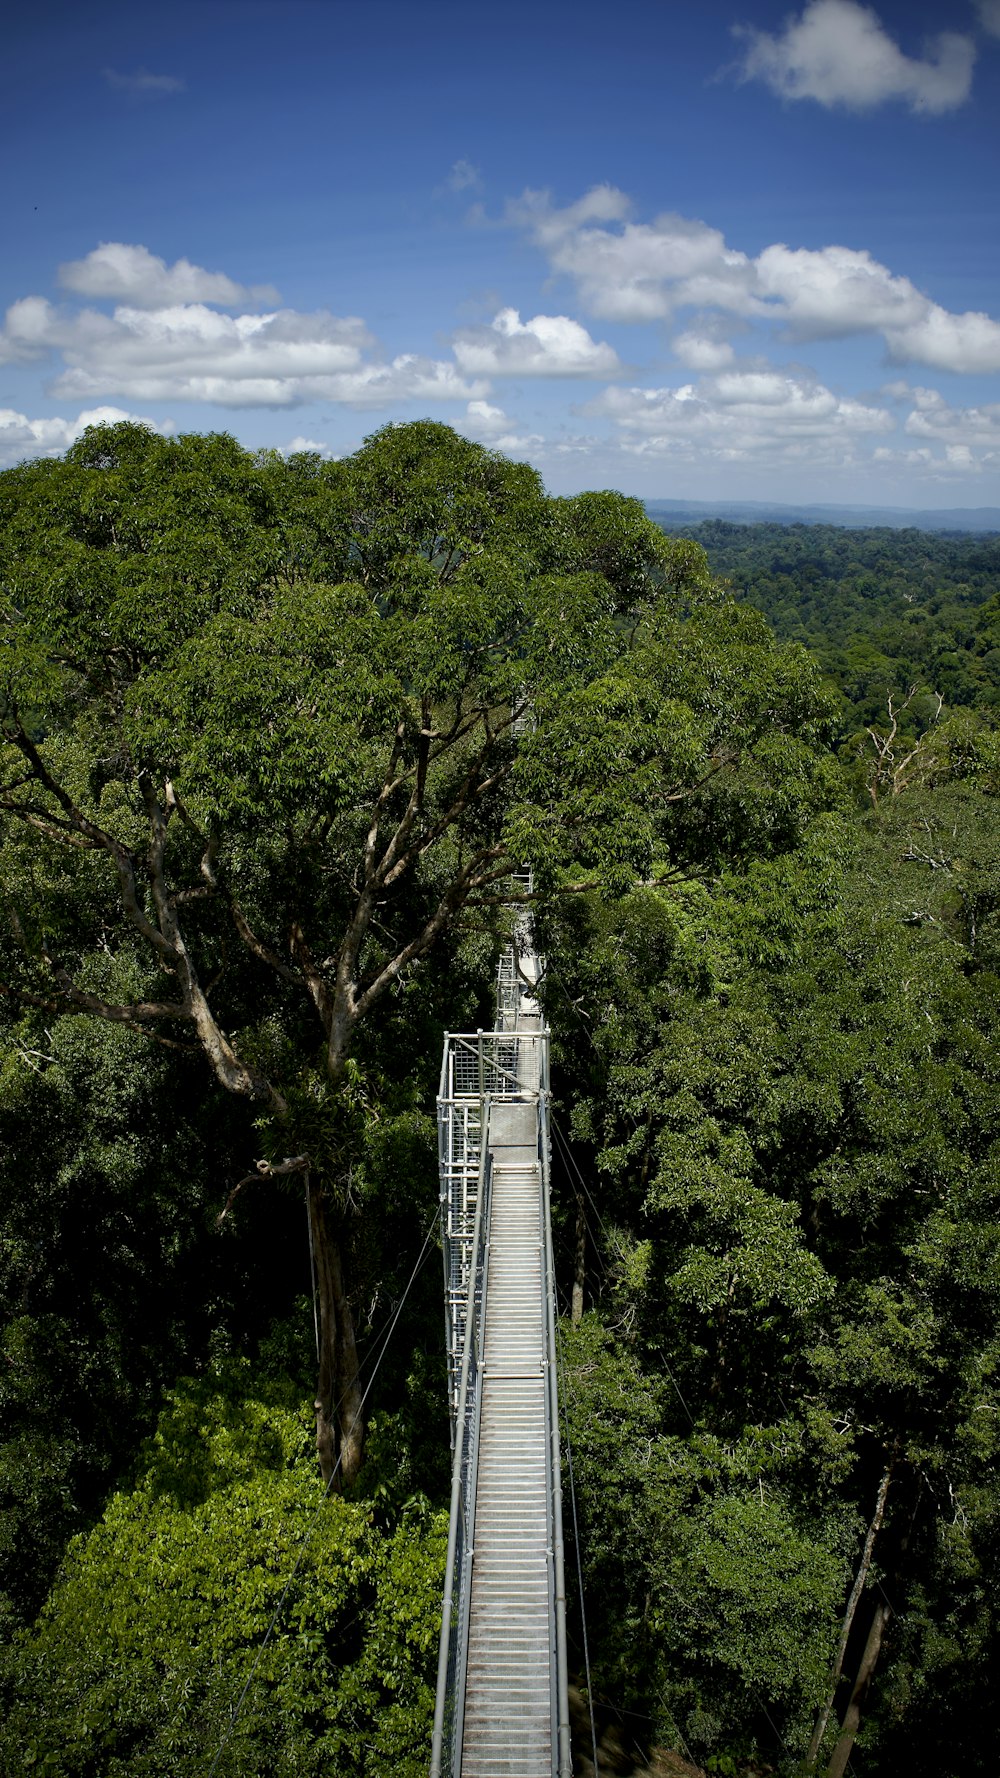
(315, 981)
(719, 763)
(256, 946)
(453, 898)
(119, 854)
(138, 1017)
(236, 1076)
(48, 823)
(263, 1170)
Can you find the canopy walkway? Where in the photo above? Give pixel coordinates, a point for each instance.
(501, 1709)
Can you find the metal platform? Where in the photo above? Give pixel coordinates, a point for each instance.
(502, 1708)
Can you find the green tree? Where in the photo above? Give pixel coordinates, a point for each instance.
(159, 1617)
(784, 1104)
(276, 730)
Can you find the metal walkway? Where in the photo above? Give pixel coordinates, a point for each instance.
(502, 1691)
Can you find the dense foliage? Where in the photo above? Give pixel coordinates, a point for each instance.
(882, 610)
(265, 778)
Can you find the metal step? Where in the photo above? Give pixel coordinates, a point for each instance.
(507, 1725)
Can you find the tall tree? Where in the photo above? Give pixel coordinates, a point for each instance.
(277, 728)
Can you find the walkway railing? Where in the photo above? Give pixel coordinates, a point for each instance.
(449, 1709)
(562, 1757)
(484, 1076)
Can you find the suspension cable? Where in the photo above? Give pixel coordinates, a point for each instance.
(311, 1527)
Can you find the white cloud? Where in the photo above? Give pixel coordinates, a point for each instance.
(26, 331)
(758, 416)
(838, 53)
(313, 445)
(133, 275)
(964, 343)
(485, 420)
(643, 271)
(464, 177)
(490, 425)
(918, 459)
(955, 461)
(141, 84)
(989, 16)
(743, 415)
(836, 291)
(545, 346)
(21, 437)
(166, 340)
(699, 351)
(189, 352)
(933, 419)
(646, 271)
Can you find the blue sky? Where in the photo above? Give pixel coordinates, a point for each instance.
(724, 251)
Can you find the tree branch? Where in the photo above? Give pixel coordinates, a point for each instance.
(455, 895)
(137, 1017)
(263, 1170)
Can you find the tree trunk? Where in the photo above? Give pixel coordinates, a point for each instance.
(339, 1421)
(350, 1415)
(579, 1262)
(860, 1578)
(852, 1717)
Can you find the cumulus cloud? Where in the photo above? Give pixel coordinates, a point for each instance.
(933, 419)
(545, 346)
(166, 339)
(838, 53)
(21, 437)
(486, 420)
(837, 291)
(832, 291)
(143, 85)
(743, 415)
(314, 445)
(490, 425)
(969, 342)
(989, 16)
(699, 351)
(133, 275)
(189, 352)
(634, 271)
(25, 333)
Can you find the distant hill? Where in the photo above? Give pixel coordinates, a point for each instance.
(755, 512)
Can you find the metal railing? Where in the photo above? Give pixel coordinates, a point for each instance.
(479, 1067)
(562, 1755)
(479, 1070)
(449, 1709)
(508, 990)
(461, 1158)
